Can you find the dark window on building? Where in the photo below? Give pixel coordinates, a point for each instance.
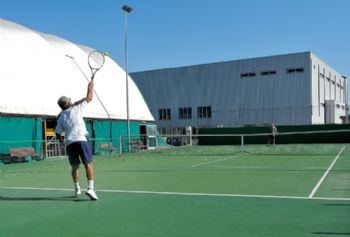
(268, 73)
(252, 74)
(164, 114)
(295, 70)
(248, 74)
(185, 113)
(204, 112)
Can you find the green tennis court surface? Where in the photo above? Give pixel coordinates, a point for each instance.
(287, 190)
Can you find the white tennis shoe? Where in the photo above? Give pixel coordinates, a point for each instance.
(91, 194)
(77, 192)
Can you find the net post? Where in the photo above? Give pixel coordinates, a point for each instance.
(242, 143)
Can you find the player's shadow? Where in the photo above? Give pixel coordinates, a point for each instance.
(64, 198)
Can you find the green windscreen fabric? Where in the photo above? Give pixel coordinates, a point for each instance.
(111, 131)
(20, 132)
(100, 134)
(38, 136)
(120, 129)
(103, 132)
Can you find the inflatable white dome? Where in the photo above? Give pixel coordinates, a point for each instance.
(37, 68)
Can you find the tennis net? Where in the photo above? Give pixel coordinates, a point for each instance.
(303, 143)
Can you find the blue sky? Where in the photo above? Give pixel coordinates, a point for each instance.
(171, 33)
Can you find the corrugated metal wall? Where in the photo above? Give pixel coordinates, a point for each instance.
(327, 85)
(255, 91)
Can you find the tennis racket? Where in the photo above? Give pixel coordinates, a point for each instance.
(96, 60)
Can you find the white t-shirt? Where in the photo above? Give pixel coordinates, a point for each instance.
(72, 123)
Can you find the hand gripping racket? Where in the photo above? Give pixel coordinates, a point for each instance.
(96, 60)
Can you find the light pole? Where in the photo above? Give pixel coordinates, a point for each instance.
(127, 10)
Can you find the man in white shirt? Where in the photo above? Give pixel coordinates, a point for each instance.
(71, 122)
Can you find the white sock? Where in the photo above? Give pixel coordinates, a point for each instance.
(77, 186)
(91, 184)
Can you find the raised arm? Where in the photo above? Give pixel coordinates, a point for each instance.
(90, 91)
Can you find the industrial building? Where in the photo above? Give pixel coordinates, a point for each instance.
(290, 89)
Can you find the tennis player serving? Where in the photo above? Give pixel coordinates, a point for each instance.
(70, 121)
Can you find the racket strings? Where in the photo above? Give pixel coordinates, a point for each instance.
(96, 60)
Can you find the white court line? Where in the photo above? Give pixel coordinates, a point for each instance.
(184, 194)
(262, 168)
(240, 167)
(325, 174)
(215, 161)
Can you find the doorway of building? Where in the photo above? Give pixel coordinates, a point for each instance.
(143, 136)
(148, 136)
(52, 148)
